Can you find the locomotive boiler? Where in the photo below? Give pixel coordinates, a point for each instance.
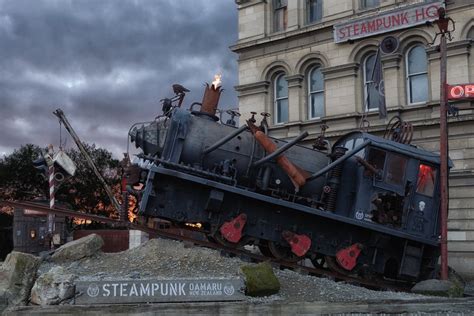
(367, 205)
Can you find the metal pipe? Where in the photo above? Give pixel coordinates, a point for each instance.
(266, 178)
(280, 150)
(224, 140)
(339, 160)
(443, 149)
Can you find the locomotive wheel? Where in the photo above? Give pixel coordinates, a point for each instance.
(332, 264)
(263, 247)
(224, 242)
(281, 252)
(211, 238)
(318, 260)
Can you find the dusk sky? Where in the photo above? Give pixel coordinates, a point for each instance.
(106, 63)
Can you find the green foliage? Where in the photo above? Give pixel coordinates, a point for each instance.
(20, 180)
(84, 191)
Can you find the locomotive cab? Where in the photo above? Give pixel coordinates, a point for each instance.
(393, 188)
(391, 184)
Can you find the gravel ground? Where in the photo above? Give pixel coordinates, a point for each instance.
(162, 258)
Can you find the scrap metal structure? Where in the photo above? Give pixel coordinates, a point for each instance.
(368, 207)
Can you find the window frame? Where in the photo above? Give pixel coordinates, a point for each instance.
(367, 81)
(363, 5)
(410, 75)
(308, 12)
(434, 182)
(310, 93)
(276, 98)
(277, 9)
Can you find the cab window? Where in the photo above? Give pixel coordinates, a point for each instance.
(377, 158)
(426, 180)
(396, 166)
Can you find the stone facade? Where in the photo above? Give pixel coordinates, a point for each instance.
(263, 53)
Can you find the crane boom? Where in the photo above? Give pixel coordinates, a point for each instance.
(62, 118)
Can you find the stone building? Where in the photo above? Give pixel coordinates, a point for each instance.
(310, 62)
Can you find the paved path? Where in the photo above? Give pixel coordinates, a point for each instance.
(463, 306)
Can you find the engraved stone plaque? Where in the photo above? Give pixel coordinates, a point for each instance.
(164, 290)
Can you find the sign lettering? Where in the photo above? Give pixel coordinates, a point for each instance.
(460, 91)
(141, 291)
(401, 18)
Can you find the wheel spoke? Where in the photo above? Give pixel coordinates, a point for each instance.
(282, 253)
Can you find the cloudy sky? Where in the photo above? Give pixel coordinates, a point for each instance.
(106, 63)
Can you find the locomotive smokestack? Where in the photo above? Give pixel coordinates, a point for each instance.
(210, 100)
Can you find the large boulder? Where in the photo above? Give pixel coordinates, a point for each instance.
(78, 249)
(53, 287)
(260, 280)
(17, 276)
(439, 288)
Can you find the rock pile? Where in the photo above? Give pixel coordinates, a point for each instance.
(78, 249)
(53, 287)
(82, 260)
(17, 275)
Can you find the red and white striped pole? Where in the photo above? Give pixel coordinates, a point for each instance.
(51, 225)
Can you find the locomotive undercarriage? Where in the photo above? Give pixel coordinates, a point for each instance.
(181, 197)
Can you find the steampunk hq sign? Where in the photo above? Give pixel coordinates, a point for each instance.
(155, 291)
(403, 17)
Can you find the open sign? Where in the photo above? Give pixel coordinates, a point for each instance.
(460, 91)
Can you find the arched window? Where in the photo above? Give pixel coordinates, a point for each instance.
(315, 93)
(417, 74)
(470, 34)
(371, 95)
(280, 88)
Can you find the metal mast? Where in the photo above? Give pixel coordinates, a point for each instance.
(62, 118)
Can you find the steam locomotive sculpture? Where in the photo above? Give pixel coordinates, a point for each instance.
(367, 205)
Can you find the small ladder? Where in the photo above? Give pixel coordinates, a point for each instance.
(411, 259)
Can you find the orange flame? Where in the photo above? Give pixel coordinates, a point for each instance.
(217, 81)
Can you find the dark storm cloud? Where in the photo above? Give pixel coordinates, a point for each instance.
(106, 63)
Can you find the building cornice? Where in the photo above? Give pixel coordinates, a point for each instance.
(248, 3)
(375, 126)
(295, 81)
(280, 36)
(457, 48)
(340, 71)
(253, 88)
(391, 61)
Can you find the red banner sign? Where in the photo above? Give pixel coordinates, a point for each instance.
(460, 91)
(388, 21)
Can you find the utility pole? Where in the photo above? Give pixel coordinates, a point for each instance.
(443, 147)
(443, 23)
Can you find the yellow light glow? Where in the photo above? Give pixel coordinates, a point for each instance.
(194, 225)
(217, 81)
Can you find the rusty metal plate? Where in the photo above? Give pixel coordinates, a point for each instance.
(156, 291)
